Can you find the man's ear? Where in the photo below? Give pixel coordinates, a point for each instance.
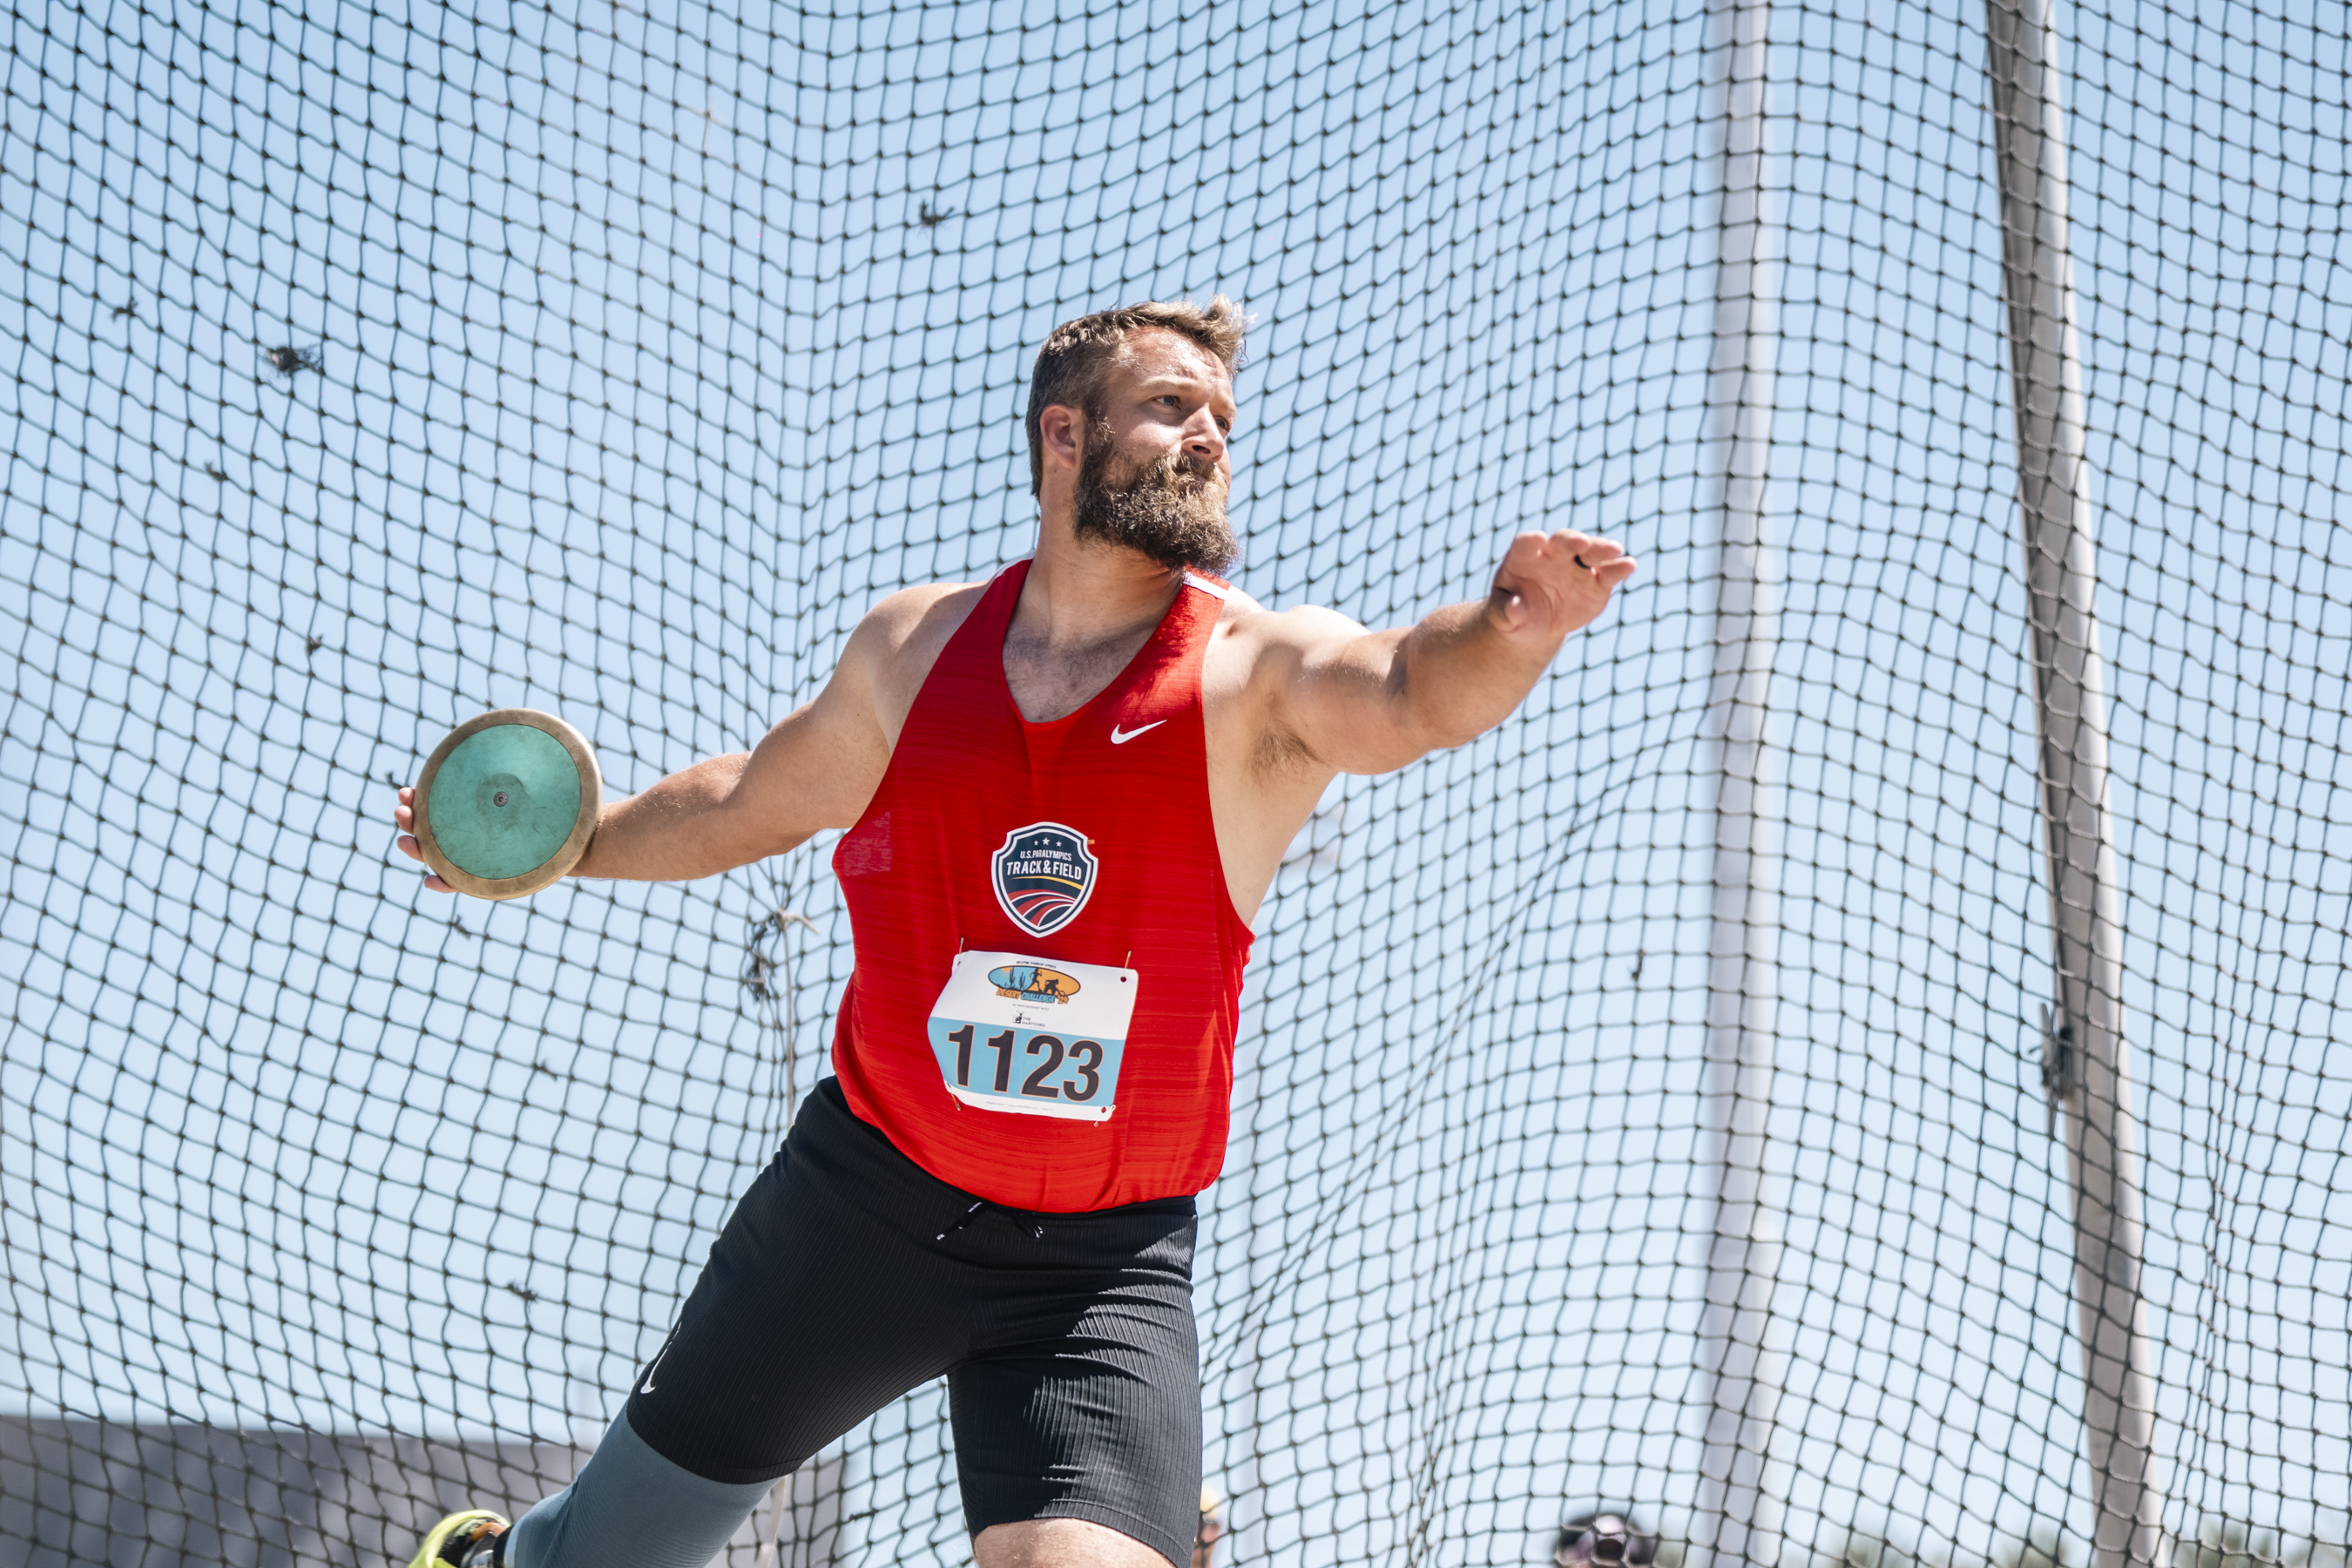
(1061, 434)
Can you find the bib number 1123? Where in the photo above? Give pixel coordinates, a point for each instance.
(1045, 1081)
(1042, 1037)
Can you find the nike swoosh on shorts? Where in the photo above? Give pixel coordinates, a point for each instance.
(1120, 739)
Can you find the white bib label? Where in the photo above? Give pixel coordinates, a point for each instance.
(1040, 1036)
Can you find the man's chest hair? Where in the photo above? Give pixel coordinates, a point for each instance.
(1050, 683)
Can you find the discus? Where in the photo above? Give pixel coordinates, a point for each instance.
(506, 803)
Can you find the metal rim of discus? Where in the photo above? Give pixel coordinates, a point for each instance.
(557, 866)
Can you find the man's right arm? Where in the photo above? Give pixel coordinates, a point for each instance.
(816, 770)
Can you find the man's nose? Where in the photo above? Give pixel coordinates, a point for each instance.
(1202, 439)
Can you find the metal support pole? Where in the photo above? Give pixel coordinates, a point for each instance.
(1743, 1350)
(2084, 1064)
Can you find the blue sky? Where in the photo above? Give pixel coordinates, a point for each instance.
(645, 374)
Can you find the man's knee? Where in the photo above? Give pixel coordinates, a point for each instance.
(1061, 1543)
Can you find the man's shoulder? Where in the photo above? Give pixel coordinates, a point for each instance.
(916, 621)
(901, 637)
(1253, 631)
(1259, 653)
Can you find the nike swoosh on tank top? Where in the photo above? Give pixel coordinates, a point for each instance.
(1039, 843)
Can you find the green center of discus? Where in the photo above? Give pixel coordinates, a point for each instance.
(504, 801)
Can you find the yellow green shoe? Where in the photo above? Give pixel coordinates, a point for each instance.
(451, 1543)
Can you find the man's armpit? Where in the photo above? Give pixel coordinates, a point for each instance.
(1280, 753)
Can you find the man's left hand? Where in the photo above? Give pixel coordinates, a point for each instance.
(1551, 584)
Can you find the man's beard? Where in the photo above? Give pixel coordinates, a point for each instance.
(1171, 510)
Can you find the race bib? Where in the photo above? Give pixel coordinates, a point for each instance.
(1043, 1036)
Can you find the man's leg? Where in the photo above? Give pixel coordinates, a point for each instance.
(825, 1298)
(630, 1507)
(1061, 1543)
(1077, 1419)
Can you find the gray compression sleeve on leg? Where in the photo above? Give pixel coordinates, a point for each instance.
(630, 1507)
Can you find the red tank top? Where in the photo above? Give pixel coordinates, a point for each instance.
(934, 868)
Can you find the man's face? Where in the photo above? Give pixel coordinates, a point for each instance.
(1154, 469)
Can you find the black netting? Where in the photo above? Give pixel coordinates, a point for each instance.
(368, 366)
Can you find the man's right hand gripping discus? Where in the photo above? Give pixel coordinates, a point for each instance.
(507, 804)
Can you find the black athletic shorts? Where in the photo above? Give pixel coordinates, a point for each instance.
(849, 1275)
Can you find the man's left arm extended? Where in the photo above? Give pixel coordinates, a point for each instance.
(1368, 702)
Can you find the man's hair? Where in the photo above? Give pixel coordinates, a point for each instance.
(1079, 356)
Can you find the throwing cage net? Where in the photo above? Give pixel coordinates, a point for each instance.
(1844, 1074)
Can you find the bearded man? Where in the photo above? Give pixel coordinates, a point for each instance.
(1066, 791)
